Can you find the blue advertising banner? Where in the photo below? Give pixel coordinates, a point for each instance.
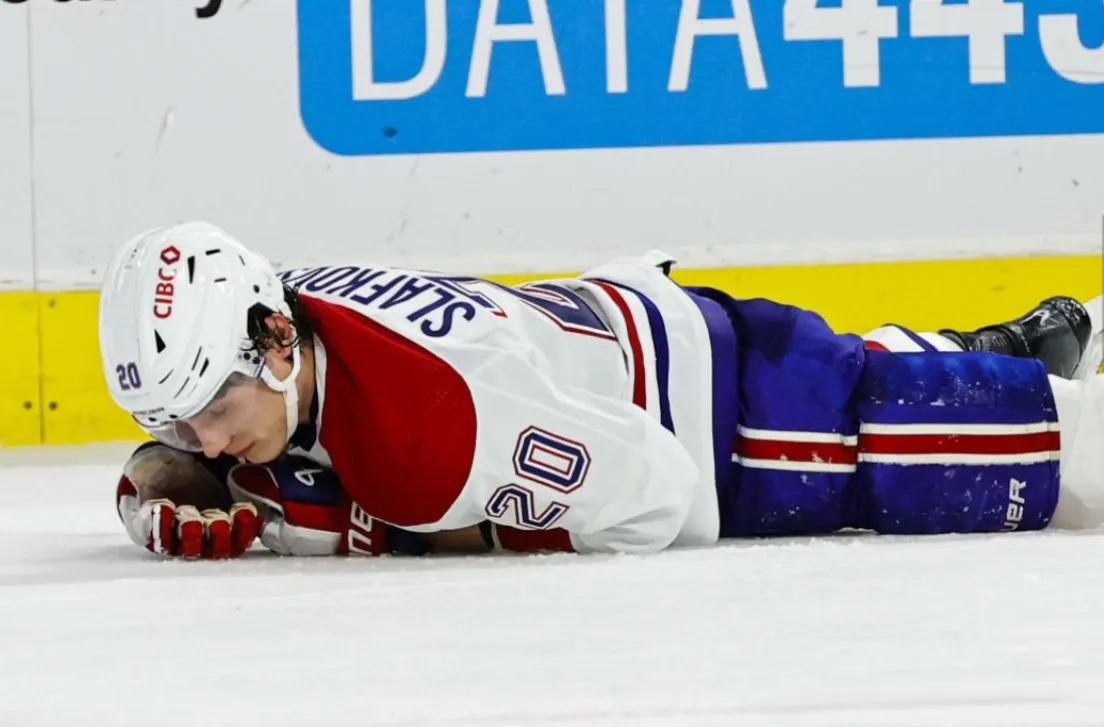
(426, 76)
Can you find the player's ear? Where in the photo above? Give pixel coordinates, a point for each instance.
(283, 335)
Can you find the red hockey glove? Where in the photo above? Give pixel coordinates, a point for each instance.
(173, 506)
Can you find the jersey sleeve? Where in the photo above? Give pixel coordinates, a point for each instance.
(600, 469)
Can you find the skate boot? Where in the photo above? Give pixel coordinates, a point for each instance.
(1061, 332)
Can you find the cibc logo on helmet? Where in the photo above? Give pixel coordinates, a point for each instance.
(163, 295)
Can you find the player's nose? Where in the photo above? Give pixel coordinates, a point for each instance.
(212, 441)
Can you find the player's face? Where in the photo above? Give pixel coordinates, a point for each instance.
(258, 422)
(247, 420)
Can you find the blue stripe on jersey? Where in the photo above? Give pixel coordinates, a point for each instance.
(663, 359)
(662, 352)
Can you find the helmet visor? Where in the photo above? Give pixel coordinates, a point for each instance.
(233, 409)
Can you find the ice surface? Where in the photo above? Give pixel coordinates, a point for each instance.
(851, 630)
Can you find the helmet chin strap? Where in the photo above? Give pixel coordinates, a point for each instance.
(289, 389)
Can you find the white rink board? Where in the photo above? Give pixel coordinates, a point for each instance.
(16, 253)
(146, 115)
(845, 631)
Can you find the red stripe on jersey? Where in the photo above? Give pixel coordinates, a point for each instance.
(640, 395)
(515, 539)
(951, 443)
(790, 451)
(874, 346)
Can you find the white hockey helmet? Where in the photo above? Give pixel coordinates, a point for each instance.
(173, 326)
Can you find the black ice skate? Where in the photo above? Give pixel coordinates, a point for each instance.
(1058, 332)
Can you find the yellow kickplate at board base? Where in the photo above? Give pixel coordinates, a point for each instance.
(76, 408)
(20, 420)
(922, 295)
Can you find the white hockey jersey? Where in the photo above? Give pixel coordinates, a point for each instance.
(572, 414)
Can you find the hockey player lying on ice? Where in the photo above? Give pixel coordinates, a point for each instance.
(391, 411)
